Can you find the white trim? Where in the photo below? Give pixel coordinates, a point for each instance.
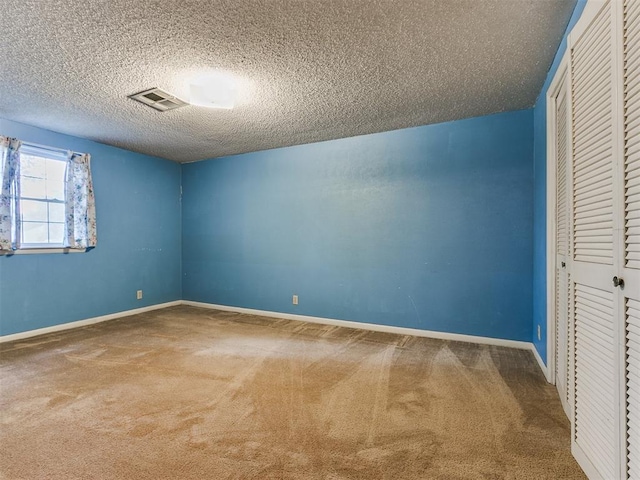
(558, 82)
(551, 221)
(458, 337)
(543, 367)
(88, 321)
(34, 251)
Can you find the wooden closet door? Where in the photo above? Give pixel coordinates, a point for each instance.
(596, 413)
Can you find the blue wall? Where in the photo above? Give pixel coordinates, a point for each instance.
(428, 227)
(540, 197)
(139, 240)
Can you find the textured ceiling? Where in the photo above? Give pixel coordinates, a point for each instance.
(309, 70)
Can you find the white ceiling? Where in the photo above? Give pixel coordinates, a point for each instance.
(309, 70)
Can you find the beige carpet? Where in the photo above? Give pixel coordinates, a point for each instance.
(187, 393)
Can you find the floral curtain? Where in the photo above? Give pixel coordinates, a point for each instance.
(9, 208)
(80, 227)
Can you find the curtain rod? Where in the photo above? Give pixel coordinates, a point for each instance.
(51, 149)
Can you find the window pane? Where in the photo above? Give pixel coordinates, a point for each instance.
(33, 211)
(34, 232)
(55, 179)
(31, 166)
(33, 187)
(56, 212)
(42, 191)
(56, 232)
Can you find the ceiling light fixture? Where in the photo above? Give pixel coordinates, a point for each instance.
(213, 90)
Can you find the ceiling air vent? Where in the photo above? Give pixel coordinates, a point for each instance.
(158, 99)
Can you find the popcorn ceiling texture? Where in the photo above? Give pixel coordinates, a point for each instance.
(308, 70)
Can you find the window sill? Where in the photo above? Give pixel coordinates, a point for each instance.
(35, 251)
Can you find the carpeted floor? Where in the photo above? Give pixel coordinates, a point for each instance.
(188, 393)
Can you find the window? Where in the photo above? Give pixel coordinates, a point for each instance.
(41, 201)
(46, 199)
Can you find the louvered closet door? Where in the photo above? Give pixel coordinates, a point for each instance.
(562, 247)
(629, 296)
(596, 431)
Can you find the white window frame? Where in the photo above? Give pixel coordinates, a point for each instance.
(50, 153)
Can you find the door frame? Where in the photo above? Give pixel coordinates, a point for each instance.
(562, 74)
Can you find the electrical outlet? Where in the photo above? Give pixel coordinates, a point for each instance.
(139, 294)
(295, 299)
(539, 337)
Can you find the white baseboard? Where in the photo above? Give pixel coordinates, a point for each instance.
(458, 337)
(541, 364)
(88, 321)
